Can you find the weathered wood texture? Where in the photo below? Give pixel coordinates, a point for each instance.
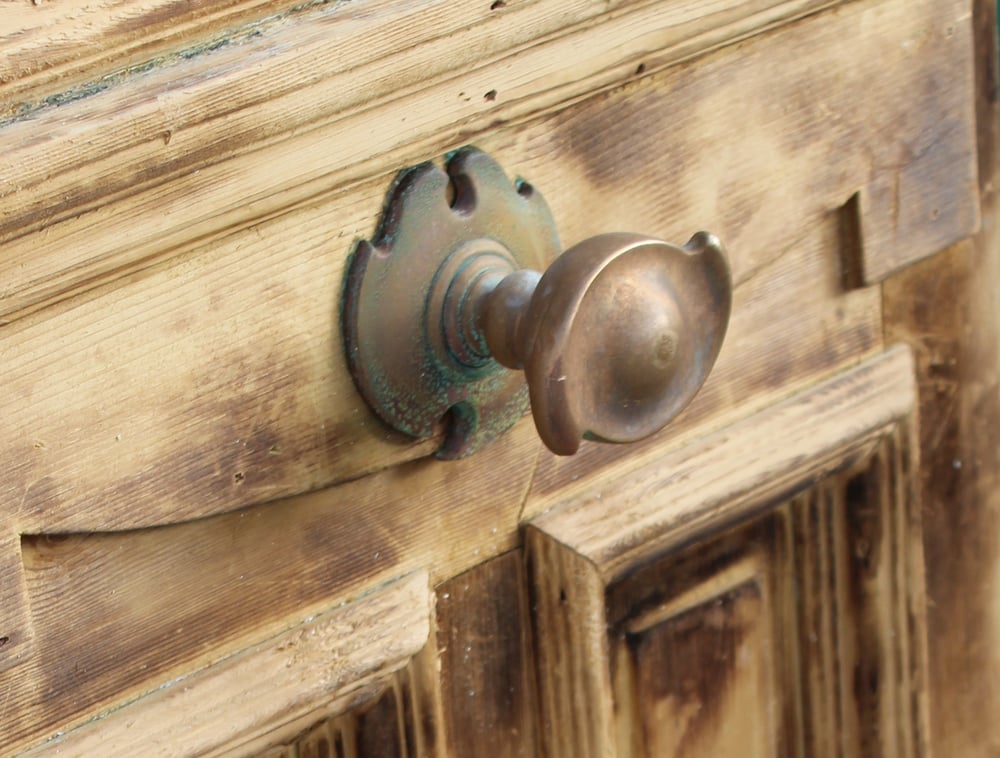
(390, 725)
(316, 667)
(487, 668)
(860, 604)
(216, 380)
(482, 672)
(16, 627)
(948, 309)
(55, 51)
(616, 520)
(662, 631)
(345, 92)
(51, 51)
(227, 362)
(189, 362)
(378, 729)
(813, 104)
(175, 599)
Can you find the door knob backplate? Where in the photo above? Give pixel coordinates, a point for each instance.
(442, 232)
(445, 306)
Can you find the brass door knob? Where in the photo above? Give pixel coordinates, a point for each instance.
(446, 303)
(615, 338)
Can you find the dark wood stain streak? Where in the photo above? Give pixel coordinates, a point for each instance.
(812, 566)
(166, 15)
(378, 732)
(486, 661)
(614, 134)
(244, 456)
(863, 504)
(374, 728)
(692, 660)
(407, 711)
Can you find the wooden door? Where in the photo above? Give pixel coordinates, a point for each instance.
(210, 545)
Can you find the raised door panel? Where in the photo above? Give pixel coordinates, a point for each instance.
(759, 593)
(699, 651)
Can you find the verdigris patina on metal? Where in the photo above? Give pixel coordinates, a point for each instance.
(615, 338)
(444, 234)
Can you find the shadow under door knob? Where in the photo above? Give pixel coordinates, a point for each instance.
(445, 305)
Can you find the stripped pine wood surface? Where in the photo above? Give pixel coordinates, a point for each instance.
(79, 42)
(189, 472)
(253, 405)
(180, 597)
(344, 94)
(319, 665)
(190, 414)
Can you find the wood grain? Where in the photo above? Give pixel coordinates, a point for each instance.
(811, 135)
(664, 628)
(487, 671)
(861, 608)
(404, 719)
(701, 648)
(616, 521)
(948, 309)
(216, 380)
(227, 361)
(16, 627)
(922, 194)
(49, 49)
(188, 361)
(92, 246)
(52, 49)
(479, 668)
(379, 728)
(346, 92)
(310, 668)
(176, 599)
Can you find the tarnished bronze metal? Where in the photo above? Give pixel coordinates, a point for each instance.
(446, 302)
(410, 344)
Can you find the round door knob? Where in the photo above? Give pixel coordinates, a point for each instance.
(446, 305)
(615, 338)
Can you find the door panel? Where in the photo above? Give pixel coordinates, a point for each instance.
(699, 649)
(755, 595)
(470, 692)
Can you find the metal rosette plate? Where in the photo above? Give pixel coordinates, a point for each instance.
(441, 230)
